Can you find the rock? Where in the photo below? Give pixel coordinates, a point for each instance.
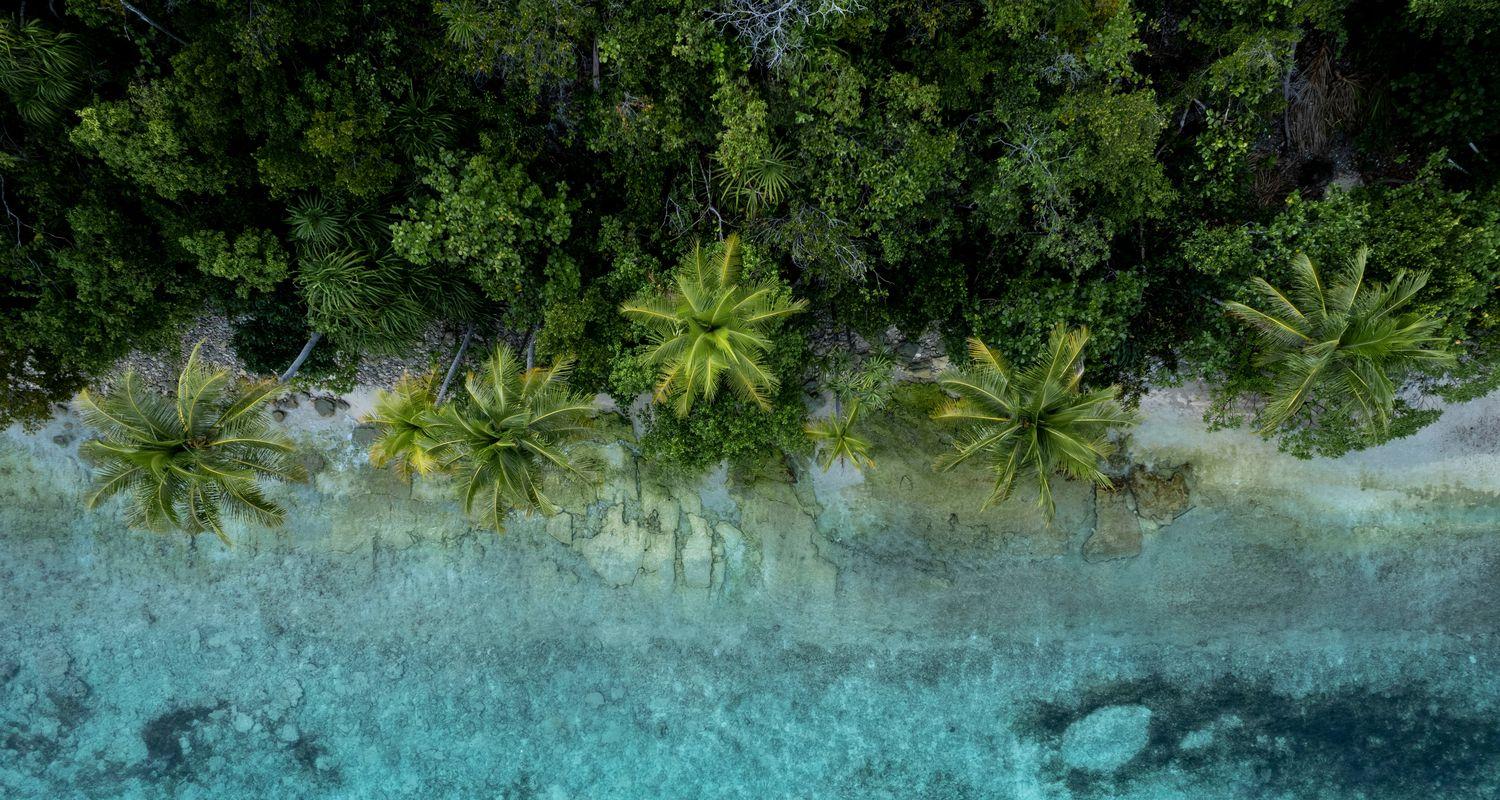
(1117, 532)
(291, 692)
(1159, 497)
(243, 722)
(615, 553)
(288, 733)
(1107, 738)
(594, 699)
(278, 415)
(560, 527)
(616, 693)
(63, 439)
(324, 406)
(698, 554)
(311, 461)
(46, 727)
(365, 435)
(52, 661)
(323, 763)
(1203, 737)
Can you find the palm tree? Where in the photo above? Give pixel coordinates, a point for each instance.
(1035, 422)
(713, 329)
(407, 419)
(511, 426)
(187, 460)
(40, 69)
(760, 184)
(360, 293)
(1343, 341)
(836, 435)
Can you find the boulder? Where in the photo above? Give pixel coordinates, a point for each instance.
(616, 551)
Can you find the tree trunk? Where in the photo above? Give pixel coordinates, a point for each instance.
(453, 368)
(301, 357)
(596, 65)
(531, 349)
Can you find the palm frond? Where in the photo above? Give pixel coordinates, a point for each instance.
(509, 427)
(712, 330)
(1343, 342)
(1035, 422)
(183, 461)
(835, 435)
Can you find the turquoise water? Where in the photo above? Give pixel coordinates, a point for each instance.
(823, 638)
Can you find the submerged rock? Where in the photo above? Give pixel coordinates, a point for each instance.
(1117, 532)
(325, 406)
(1160, 497)
(1106, 739)
(365, 435)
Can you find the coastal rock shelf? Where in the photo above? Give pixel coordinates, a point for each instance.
(1225, 622)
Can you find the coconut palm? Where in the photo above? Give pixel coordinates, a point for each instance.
(407, 419)
(712, 330)
(1343, 342)
(510, 428)
(836, 435)
(1035, 422)
(186, 461)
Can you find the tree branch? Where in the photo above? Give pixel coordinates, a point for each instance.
(149, 21)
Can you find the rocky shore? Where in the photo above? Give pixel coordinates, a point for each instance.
(1228, 614)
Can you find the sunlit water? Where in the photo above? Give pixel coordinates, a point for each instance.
(827, 638)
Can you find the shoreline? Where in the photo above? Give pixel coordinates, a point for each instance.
(1243, 597)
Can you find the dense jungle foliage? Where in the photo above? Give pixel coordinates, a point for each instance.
(370, 171)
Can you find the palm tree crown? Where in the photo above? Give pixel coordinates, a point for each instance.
(407, 419)
(511, 425)
(1034, 422)
(1343, 341)
(836, 435)
(712, 329)
(184, 461)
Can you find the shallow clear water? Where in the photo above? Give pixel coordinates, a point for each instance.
(827, 638)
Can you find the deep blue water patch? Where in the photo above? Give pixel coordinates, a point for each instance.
(1355, 742)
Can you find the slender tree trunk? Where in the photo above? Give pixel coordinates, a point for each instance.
(453, 368)
(531, 349)
(301, 357)
(149, 21)
(596, 65)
